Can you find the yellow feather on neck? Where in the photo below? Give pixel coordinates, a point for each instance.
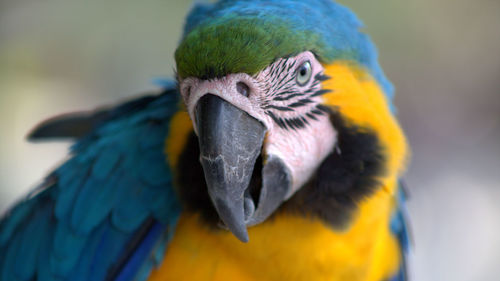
(180, 128)
(360, 100)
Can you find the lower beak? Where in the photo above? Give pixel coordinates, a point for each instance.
(230, 142)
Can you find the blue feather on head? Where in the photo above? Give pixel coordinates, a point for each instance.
(328, 29)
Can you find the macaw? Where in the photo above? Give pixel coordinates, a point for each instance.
(275, 155)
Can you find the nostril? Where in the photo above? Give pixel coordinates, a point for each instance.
(243, 89)
(187, 93)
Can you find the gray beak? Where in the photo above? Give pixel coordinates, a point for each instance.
(230, 143)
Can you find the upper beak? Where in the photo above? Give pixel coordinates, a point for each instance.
(230, 142)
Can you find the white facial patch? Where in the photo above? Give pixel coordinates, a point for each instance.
(286, 98)
(303, 150)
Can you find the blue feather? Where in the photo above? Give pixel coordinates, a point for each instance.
(336, 26)
(102, 193)
(29, 250)
(82, 270)
(154, 175)
(14, 217)
(101, 197)
(133, 265)
(105, 163)
(107, 251)
(10, 258)
(399, 228)
(44, 272)
(66, 244)
(164, 83)
(130, 210)
(69, 185)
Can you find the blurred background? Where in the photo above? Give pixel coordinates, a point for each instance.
(443, 56)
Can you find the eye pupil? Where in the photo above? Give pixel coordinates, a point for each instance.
(303, 71)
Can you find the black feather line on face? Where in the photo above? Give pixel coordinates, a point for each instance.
(283, 87)
(315, 83)
(300, 103)
(317, 112)
(310, 90)
(293, 95)
(321, 77)
(280, 108)
(295, 123)
(283, 65)
(323, 108)
(298, 122)
(349, 174)
(281, 84)
(283, 91)
(310, 115)
(304, 120)
(291, 66)
(321, 92)
(276, 120)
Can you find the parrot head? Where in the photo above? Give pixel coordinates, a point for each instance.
(253, 78)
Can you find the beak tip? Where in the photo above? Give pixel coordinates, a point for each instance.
(242, 236)
(232, 216)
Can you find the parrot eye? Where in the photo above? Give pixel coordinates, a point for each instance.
(304, 73)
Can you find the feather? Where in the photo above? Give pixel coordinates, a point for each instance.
(71, 181)
(399, 228)
(102, 193)
(82, 270)
(156, 175)
(14, 217)
(96, 201)
(44, 272)
(110, 245)
(272, 29)
(70, 125)
(66, 246)
(142, 252)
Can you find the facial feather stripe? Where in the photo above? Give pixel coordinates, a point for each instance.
(283, 94)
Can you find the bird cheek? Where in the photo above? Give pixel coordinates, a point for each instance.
(303, 150)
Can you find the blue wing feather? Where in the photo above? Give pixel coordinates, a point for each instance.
(141, 254)
(83, 224)
(399, 228)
